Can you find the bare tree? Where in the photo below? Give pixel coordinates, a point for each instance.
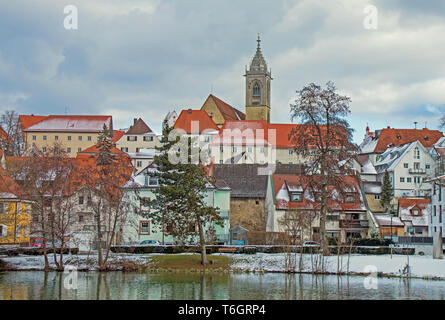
(43, 178)
(12, 142)
(325, 138)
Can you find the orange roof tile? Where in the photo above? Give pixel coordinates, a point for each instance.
(229, 112)
(399, 137)
(27, 121)
(186, 117)
(9, 189)
(421, 203)
(117, 135)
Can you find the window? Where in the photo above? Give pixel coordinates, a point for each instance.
(262, 149)
(81, 200)
(291, 152)
(427, 166)
(69, 138)
(377, 197)
(440, 214)
(79, 149)
(221, 149)
(79, 138)
(144, 227)
(56, 138)
(402, 179)
(80, 218)
(249, 149)
(152, 181)
(138, 164)
(148, 138)
(256, 90)
(192, 227)
(89, 200)
(3, 230)
(68, 150)
(44, 149)
(89, 138)
(34, 138)
(19, 208)
(44, 138)
(405, 165)
(124, 149)
(28, 209)
(4, 208)
(415, 212)
(350, 198)
(417, 165)
(132, 138)
(26, 231)
(434, 210)
(143, 204)
(408, 180)
(233, 149)
(257, 202)
(416, 153)
(138, 149)
(221, 161)
(18, 231)
(296, 197)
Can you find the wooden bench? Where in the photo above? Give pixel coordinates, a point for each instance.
(227, 250)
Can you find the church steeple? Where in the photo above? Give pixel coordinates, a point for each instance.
(258, 80)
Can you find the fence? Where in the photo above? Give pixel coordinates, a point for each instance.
(266, 238)
(416, 240)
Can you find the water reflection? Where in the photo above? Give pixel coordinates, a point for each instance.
(169, 286)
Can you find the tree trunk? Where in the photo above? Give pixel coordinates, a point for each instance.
(203, 245)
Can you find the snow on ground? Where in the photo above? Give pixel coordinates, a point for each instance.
(420, 266)
(81, 261)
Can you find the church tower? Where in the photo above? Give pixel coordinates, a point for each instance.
(258, 80)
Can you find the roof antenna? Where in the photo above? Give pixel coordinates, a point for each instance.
(415, 124)
(211, 88)
(66, 110)
(425, 125)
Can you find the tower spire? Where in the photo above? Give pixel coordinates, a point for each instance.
(259, 40)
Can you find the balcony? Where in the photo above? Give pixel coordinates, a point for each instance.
(417, 171)
(353, 224)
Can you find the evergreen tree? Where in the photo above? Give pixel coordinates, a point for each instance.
(387, 193)
(104, 157)
(180, 200)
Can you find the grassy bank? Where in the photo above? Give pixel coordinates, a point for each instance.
(189, 262)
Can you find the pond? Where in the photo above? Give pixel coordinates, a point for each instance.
(31, 285)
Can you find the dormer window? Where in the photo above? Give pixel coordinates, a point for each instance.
(350, 198)
(256, 90)
(399, 137)
(296, 197)
(415, 212)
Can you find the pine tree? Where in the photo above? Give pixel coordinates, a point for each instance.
(180, 200)
(105, 156)
(387, 193)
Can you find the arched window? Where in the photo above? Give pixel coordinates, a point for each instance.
(256, 90)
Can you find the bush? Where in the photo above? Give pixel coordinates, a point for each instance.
(372, 242)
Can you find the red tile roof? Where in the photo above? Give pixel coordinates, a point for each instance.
(399, 137)
(9, 189)
(117, 135)
(139, 127)
(186, 117)
(228, 112)
(94, 150)
(421, 203)
(70, 123)
(276, 134)
(285, 182)
(4, 136)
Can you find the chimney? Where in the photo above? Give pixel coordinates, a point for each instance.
(367, 129)
(189, 111)
(134, 120)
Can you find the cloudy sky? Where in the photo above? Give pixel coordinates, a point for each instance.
(143, 58)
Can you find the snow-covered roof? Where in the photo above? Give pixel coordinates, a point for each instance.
(389, 159)
(368, 168)
(385, 220)
(66, 123)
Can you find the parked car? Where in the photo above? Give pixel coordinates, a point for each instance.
(36, 242)
(57, 244)
(310, 244)
(150, 243)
